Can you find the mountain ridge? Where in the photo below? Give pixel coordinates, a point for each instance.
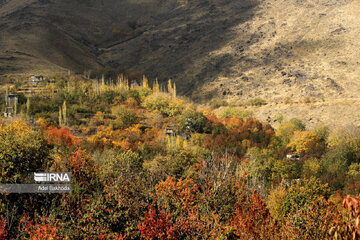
(281, 51)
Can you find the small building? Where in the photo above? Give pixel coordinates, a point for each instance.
(11, 98)
(170, 132)
(37, 78)
(11, 101)
(293, 156)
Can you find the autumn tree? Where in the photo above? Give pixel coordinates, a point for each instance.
(321, 219)
(157, 226)
(180, 200)
(125, 191)
(252, 219)
(44, 228)
(192, 121)
(22, 150)
(60, 137)
(260, 168)
(299, 197)
(352, 226)
(84, 183)
(306, 142)
(165, 104)
(3, 230)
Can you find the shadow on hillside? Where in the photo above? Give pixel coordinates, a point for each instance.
(177, 44)
(173, 39)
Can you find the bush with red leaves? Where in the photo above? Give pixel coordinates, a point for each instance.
(156, 226)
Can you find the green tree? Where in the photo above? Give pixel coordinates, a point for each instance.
(260, 168)
(299, 197)
(335, 164)
(125, 117)
(283, 135)
(192, 121)
(299, 125)
(22, 150)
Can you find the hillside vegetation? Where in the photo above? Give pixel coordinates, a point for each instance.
(147, 164)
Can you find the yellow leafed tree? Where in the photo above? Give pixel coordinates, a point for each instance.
(156, 86)
(172, 89)
(305, 142)
(145, 82)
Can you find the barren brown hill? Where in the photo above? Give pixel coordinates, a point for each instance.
(288, 52)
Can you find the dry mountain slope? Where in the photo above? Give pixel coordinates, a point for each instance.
(166, 39)
(297, 48)
(237, 50)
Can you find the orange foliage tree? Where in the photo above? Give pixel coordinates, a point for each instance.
(156, 226)
(352, 227)
(83, 168)
(252, 219)
(61, 136)
(78, 204)
(180, 201)
(321, 219)
(3, 230)
(46, 228)
(238, 136)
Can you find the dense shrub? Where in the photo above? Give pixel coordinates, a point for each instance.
(164, 104)
(125, 117)
(306, 142)
(192, 121)
(218, 103)
(299, 125)
(22, 150)
(300, 195)
(256, 102)
(233, 112)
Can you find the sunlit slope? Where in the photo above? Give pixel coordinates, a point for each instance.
(281, 51)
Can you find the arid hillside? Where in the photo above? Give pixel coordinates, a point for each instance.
(159, 38)
(301, 56)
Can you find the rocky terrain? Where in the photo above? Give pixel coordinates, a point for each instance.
(301, 56)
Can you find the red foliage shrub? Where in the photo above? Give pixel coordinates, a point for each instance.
(252, 219)
(352, 204)
(120, 237)
(259, 134)
(233, 123)
(3, 230)
(61, 136)
(322, 216)
(82, 166)
(181, 193)
(239, 136)
(213, 119)
(222, 142)
(45, 229)
(347, 225)
(181, 200)
(156, 226)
